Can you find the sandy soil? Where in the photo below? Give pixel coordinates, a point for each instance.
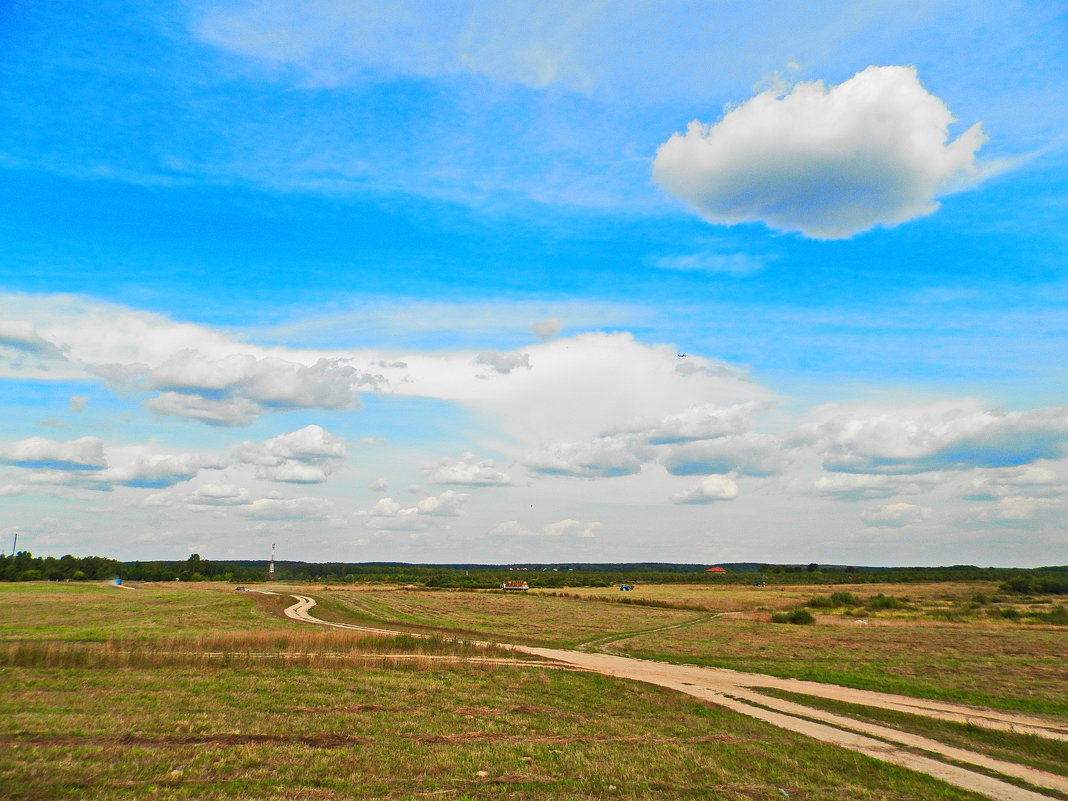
(734, 690)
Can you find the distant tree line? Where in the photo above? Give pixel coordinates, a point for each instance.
(24, 566)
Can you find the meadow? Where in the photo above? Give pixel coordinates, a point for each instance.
(926, 640)
(190, 691)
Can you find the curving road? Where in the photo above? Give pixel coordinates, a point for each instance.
(734, 690)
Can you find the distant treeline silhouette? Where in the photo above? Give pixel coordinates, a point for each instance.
(24, 566)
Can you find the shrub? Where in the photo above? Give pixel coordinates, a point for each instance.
(881, 601)
(843, 598)
(820, 602)
(833, 601)
(798, 617)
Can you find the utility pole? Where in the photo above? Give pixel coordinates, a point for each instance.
(15, 542)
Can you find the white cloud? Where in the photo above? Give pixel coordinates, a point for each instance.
(503, 363)
(385, 507)
(996, 484)
(865, 486)
(265, 382)
(137, 468)
(224, 412)
(219, 495)
(306, 456)
(603, 457)
(23, 335)
(896, 515)
(410, 520)
(379, 485)
(829, 162)
(944, 436)
(468, 470)
(1020, 510)
(572, 529)
(388, 514)
(287, 509)
(751, 454)
(712, 488)
(86, 453)
(561, 529)
(332, 43)
(713, 263)
(448, 504)
(707, 421)
(77, 403)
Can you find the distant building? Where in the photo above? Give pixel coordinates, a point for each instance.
(515, 585)
(716, 569)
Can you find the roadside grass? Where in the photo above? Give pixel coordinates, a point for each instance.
(1021, 668)
(305, 647)
(1025, 749)
(530, 619)
(408, 731)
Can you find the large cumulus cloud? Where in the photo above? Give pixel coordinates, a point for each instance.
(829, 162)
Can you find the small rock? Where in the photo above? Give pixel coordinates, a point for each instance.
(526, 759)
(176, 773)
(611, 787)
(482, 774)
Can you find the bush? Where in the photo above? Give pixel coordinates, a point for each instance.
(833, 601)
(881, 601)
(798, 617)
(843, 598)
(820, 602)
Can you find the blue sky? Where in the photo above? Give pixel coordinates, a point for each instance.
(510, 281)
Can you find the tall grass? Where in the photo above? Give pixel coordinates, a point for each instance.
(296, 648)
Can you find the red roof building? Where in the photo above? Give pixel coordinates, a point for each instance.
(716, 569)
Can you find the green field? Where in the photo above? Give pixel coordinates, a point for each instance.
(196, 692)
(917, 649)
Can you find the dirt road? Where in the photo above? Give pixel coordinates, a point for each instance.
(734, 690)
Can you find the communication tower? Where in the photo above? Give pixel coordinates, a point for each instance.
(270, 567)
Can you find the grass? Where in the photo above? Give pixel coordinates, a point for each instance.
(408, 731)
(901, 649)
(530, 619)
(94, 611)
(1025, 749)
(997, 666)
(198, 692)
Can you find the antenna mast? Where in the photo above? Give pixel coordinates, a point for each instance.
(270, 567)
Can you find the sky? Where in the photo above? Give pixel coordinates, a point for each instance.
(510, 282)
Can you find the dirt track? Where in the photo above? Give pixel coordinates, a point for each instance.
(733, 690)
